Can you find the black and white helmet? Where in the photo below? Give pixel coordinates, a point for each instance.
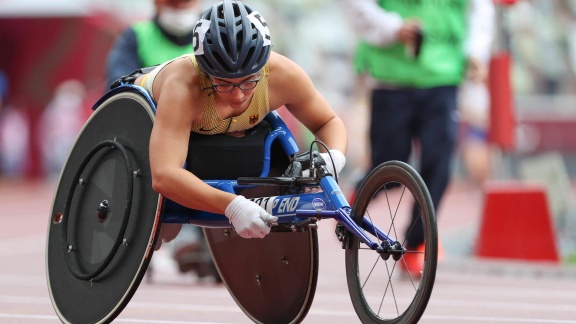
(231, 40)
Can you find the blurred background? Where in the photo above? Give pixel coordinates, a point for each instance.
(52, 69)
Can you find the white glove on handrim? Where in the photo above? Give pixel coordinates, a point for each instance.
(338, 158)
(249, 219)
(339, 162)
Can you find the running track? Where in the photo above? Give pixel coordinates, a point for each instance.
(468, 290)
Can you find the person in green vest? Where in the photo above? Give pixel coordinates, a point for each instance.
(148, 43)
(168, 34)
(414, 54)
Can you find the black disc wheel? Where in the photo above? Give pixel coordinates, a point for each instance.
(105, 216)
(393, 285)
(273, 280)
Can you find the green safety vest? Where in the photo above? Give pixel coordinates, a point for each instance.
(153, 47)
(442, 59)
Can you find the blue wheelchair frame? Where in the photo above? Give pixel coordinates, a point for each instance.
(292, 210)
(100, 256)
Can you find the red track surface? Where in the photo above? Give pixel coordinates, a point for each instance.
(468, 290)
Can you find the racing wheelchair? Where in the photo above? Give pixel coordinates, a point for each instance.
(106, 218)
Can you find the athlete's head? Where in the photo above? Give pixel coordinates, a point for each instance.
(231, 40)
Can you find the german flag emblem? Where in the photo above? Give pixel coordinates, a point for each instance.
(253, 119)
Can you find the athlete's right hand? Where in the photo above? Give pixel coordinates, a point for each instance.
(249, 219)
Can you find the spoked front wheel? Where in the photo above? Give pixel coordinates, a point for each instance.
(395, 284)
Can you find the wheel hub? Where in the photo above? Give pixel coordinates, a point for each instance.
(386, 249)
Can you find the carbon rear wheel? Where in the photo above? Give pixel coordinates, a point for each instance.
(105, 215)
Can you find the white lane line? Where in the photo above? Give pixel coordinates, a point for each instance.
(117, 320)
(227, 309)
(483, 319)
(28, 316)
(568, 290)
(480, 319)
(8, 299)
(235, 309)
(14, 280)
(29, 300)
(22, 245)
(132, 320)
(451, 303)
(564, 308)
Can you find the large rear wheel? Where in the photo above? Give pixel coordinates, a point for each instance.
(105, 215)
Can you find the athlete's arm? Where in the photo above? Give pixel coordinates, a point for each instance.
(179, 104)
(292, 87)
(177, 108)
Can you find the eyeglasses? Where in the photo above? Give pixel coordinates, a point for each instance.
(228, 87)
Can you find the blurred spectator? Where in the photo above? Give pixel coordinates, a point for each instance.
(474, 104)
(541, 32)
(60, 124)
(167, 35)
(14, 134)
(3, 89)
(416, 53)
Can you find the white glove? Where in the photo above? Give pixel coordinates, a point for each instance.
(338, 158)
(339, 162)
(249, 219)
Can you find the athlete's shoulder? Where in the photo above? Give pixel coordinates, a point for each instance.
(177, 76)
(277, 58)
(180, 67)
(280, 64)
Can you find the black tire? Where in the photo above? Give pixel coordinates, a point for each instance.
(380, 290)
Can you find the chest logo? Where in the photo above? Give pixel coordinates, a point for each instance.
(254, 119)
